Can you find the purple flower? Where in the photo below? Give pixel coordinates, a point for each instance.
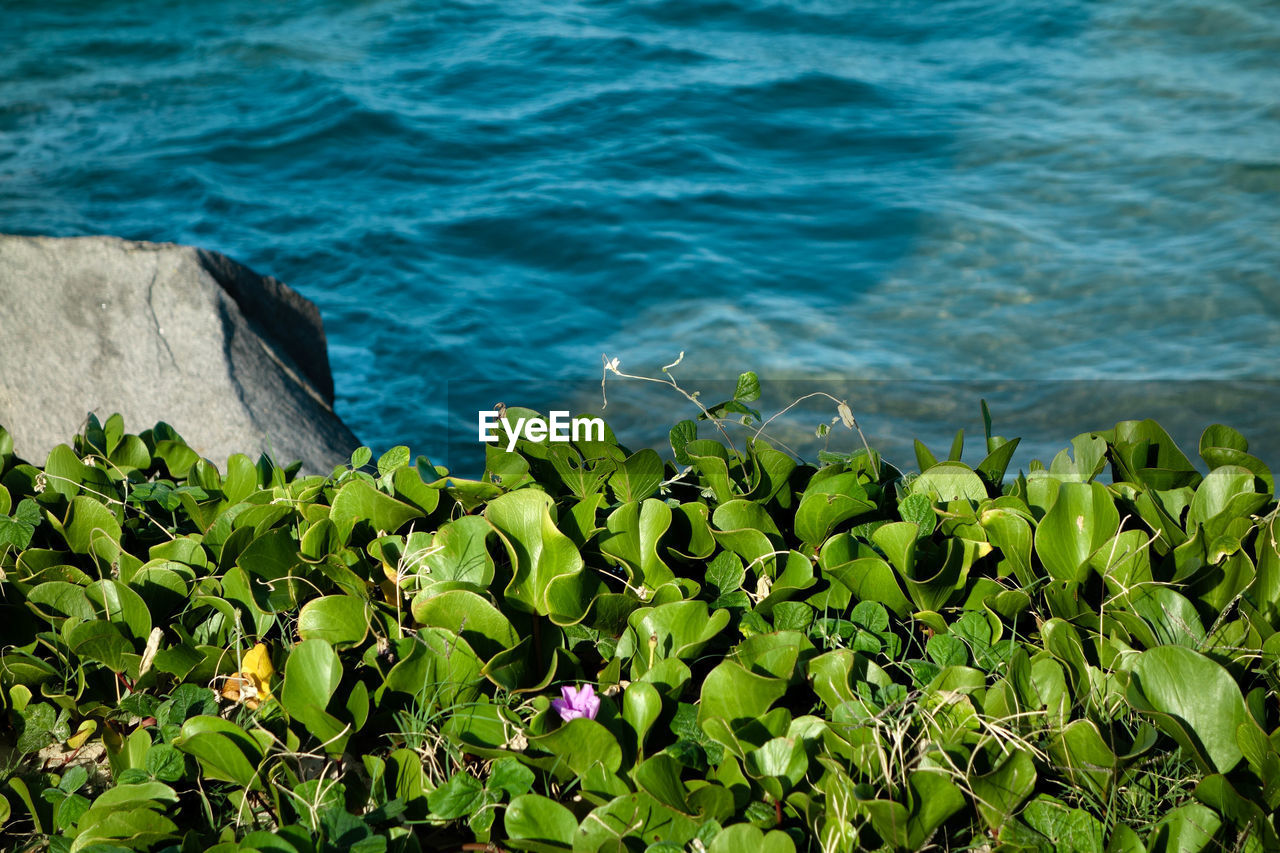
(577, 702)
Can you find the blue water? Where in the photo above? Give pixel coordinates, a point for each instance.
(813, 189)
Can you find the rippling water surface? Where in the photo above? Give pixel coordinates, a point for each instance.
(813, 189)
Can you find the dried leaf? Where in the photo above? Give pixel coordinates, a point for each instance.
(252, 684)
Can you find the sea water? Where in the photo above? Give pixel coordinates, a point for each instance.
(897, 202)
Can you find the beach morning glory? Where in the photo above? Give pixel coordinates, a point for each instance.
(577, 702)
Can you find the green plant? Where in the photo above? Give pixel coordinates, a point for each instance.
(786, 656)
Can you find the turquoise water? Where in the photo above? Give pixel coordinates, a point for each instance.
(813, 189)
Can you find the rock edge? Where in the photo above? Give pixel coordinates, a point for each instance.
(235, 361)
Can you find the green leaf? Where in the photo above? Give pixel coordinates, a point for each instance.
(311, 677)
(138, 828)
(1202, 720)
(1263, 760)
(949, 481)
(737, 696)
(1228, 491)
(532, 817)
(638, 477)
(918, 509)
(745, 528)
(547, 569)
(711, 461)
(409, 487)
(1221, 445)
(460, 796)
(358, 501)
(743, 837)
(164, 763)
(792, 616)
(15, 783)
(1086, 758)
(1145, 454)
(67, 813)
(1011, 533)
(340, 620)
(91, 528)
(1217, 792)
(507, 469)
(637, 816)
(827, 503)
(934, 798)
(681, 434)
(64, 471)
(396, 457)
(659, 777)
(584, 479)
(456, 552)
(1225, 437)
(748, 390)
(1187, 829)
(898, 542)
(868, 578)
(225, 751)
(1081, 520)
(120, 605)
(997, 462)
(833, 675)
(677, 629)
(924, 456)
(582, 745)
(725, 572)
(142, 791)
(520, 668)
(312, 674)
(101, 641)
(634, 531)
(511, 777)
(945, 650)
(439, 666)
(177, 456)
(771, 472)
(641, 705)
(1172, 617)
(131, 452)
(999, 793)
(18, 530)
(1067, 829)
(161, 493)
(73, 779)
(731, 407)
(461, 611)
(779, 760)
(58, 600)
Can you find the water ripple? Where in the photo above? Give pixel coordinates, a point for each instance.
(809, 187)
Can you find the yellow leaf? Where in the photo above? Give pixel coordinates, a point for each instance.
(252, 684)
(86, 730)
(389, 592)
(258, 661)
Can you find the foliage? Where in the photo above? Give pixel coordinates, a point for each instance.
(781, 656)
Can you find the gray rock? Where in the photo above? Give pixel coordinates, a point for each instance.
(234, 361)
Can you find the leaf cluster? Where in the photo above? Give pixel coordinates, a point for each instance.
(790, 657)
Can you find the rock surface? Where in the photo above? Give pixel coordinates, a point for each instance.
(234, 361)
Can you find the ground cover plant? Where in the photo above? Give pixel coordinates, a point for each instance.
(591, 649)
